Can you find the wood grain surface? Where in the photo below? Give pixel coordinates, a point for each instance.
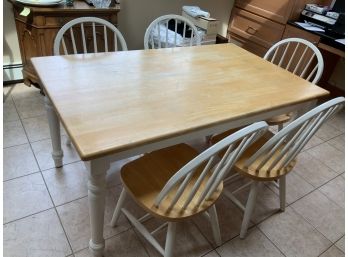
(111, 102)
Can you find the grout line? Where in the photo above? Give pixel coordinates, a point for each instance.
(21, 176)
(32, 214)
(271, 241)
(60, 221)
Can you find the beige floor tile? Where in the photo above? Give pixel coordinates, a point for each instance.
(293, 235)
(230, 220)
(42, 150)
(18, 161)
(312, 170)
(340, 244)
(75, 219)
(338, 121)
(25, 196)
(326, 216)
(254, 245)
(333, 251)
(329, 155)
(67, 183)
(29, 107)
(327, 132)
(125, 244)
(37, 128)
(338, 142)
(9, 111)
(40, 235)
(6, 91)
(21, 91)
(189, 242)
(13, 134)
(296, 187)
(314, 141)
(334, 190)
(267, 202)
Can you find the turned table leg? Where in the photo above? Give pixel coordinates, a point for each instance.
(96, 199)
(53, 122)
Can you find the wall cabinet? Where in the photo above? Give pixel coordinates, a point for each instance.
(36, 32)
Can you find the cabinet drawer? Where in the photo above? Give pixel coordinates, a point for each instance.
(255, 28)
(278, 10)
(247, 45)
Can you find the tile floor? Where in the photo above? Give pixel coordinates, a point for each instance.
(46, 212)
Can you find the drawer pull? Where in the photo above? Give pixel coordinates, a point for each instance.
(251, 30)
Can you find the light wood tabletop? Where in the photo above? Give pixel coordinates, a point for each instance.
(111, 102)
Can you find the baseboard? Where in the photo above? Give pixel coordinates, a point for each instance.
(12, 73)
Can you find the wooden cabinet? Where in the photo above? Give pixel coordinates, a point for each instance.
(36, 32)
(257, 24)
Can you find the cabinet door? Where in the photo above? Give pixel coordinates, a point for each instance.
(276, 10)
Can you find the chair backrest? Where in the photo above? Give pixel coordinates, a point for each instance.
(213, 172)
(298, 56)
(81, 35)
(281, 149)
(159, 34)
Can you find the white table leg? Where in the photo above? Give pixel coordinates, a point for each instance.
(53, 121)
(96, 198)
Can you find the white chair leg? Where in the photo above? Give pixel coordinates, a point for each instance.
(214, 221)
(249, 209)
(168, 250)
(118, 208)
(282, 192)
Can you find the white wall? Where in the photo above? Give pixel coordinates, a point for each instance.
(136, 15)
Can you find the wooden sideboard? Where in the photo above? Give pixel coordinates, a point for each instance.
(36, 32)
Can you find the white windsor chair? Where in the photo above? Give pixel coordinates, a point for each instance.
(299, 57)
(88, 31)
(159, 35)
(176, 183)
(273, 156)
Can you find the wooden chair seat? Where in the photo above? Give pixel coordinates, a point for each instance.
(278, 120)
(145, 177)
(263, 174)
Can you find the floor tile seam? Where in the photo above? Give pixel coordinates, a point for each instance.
(210, 253)
(24, 217)
(329, 123)
(46, 170)
(259, 229)
(17, 144)
(315, 228)
(107, 238)
(21, 176)
(317, 188)
(48, 191)
(206, 238)
(334, 145)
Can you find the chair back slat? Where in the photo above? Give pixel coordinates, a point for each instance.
(105, 39)
(298, 56)
(292, 56)
(284, 54)
(300, 60)
(92, 30)
(83, 38)
(287, 143)
(73, 40)
(168, 26)
(304, 71)
(94, 38)
(200, 174)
